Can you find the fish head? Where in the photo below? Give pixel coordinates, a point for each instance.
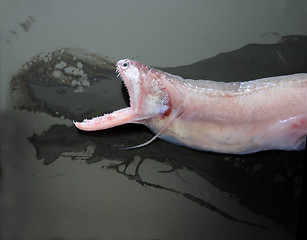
(147, 93)
(150, 96)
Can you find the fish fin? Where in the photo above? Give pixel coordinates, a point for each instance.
(176, 114)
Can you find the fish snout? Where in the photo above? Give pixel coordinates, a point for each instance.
(123, 64)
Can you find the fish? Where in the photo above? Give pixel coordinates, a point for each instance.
(225, 117)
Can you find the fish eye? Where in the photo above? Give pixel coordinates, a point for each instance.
(125, 64)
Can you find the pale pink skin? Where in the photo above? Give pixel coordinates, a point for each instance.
(236, 117)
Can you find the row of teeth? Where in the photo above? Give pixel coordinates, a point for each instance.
(119, 75)
(117, 71)
(94, 119)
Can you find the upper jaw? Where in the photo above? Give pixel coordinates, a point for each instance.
(131, 81)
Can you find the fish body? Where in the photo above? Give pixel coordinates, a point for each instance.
(234, 117)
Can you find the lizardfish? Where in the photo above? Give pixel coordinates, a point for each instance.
(233, 117)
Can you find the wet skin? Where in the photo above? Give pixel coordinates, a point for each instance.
(234, 117)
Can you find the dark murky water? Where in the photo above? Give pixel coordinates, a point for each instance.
(260, 192)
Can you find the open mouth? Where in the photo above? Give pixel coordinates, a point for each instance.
(122, 116)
